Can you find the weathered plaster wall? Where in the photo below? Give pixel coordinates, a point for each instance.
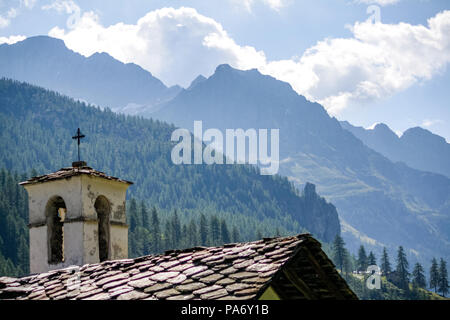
(73, 248)
(119, 242)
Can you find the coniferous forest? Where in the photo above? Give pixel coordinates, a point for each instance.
(13, 225)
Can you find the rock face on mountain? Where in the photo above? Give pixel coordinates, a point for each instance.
(379, 202)
(98, 79)
(417, 147)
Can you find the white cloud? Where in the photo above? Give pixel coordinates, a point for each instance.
(11, 39)
(28, 3)
(378, 61)
(14, 10)
(174, 44)
(379, 2)
(62, 6)
(431, 122)
(5, 20)
(272, 4)
(68, 7)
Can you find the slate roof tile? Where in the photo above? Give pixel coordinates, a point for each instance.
(243, 275)
(114, 284)
(167, 293)
(163, 276)
(195, 270)
(157, 287)
(237, 286)
(214, 294)
(225, 281)
(202, 274)
(207, 289)
(191, 287)
(181, 267)
(212, 278)
(228, 271)
(178, 279)
(68, 172)
(117, 293)
(243, 264)
(132, 295)
(141, 283)
(182, 297)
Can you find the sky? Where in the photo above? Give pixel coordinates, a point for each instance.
(365, 61)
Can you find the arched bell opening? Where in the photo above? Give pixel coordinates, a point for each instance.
(55, 213)
(103, 209)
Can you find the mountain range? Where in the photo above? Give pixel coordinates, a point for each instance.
(380, 201)
(417, 147)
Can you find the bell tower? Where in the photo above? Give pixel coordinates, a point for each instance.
(76, 216)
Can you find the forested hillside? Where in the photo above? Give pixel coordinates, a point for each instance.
(35, 133)
(13, 225)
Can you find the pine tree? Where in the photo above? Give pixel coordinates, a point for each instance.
(184, 237)
(339, 253)
(443, 278)
(371, 259)
(215, 236)
(155, 232)
(224, 232)
(144, 215)
(176, 230)
(259, 235)
(385, 264)
(168, 236)
(419, 276)
(402, 269)
(434, 274)
(203, 230)
(235, 232)
(362, 259)
(348, 266)
(277, 232)
(193, 237)
(132, 213)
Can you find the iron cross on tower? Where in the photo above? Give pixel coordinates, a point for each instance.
(78, 137)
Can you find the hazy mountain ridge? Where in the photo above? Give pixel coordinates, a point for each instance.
(417, 147)
(98, 79)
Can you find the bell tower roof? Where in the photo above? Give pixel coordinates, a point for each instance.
(77, 168)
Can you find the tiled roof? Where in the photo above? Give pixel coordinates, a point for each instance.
(295, 267)
(68, 172)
